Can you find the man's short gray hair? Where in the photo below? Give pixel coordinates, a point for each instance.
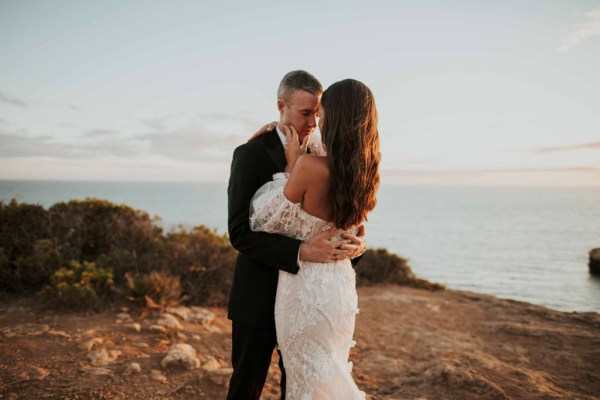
(298, 80)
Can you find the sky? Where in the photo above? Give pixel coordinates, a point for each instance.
(469, 93)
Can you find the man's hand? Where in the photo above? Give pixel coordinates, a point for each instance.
(320, 249)
(267, 128)
(358, 243)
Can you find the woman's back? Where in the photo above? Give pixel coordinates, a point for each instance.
(310, 186)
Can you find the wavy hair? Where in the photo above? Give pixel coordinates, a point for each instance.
(351, 139)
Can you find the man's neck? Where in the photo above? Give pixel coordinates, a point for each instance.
(281, 135)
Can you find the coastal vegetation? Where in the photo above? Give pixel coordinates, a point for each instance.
(87, 253)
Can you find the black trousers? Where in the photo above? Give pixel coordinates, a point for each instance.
(251, 353)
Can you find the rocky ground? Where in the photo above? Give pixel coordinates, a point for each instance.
(412, 344)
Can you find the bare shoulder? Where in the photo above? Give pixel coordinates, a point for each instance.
(313, 164)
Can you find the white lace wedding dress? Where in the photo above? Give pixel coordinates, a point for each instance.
(315, 309)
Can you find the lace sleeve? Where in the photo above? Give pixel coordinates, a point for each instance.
(271, 211)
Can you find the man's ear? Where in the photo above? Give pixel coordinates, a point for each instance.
(280, 105)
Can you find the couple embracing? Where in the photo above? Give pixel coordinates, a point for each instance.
(296, 221)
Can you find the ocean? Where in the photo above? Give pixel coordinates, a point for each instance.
(528, 244)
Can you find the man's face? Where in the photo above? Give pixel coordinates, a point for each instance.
(321, 115)
(299, 111)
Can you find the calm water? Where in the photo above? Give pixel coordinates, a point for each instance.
(527, 244)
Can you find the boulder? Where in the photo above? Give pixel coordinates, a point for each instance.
(181, 354)
(102, 358)
(181, 311)
(158, 376)
(594, 263)
(33, 373)
(201, 315)
(133, 368)
(220, 376)
(169, 321)
(89, 344)
(211, 364)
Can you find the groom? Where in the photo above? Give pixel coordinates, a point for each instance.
(262, 255)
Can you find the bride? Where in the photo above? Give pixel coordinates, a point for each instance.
(315, 310)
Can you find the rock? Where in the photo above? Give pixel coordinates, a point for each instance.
(26, 329)
(58, 333)
(89, 332)
(220, 376)
(158, 328)
(133, 368)
(98, 371)
(594, 263)
(211, 364)
(158, 376)
(33, 373)
(213, 329)
(123, 317)
(201, 315)
(181, 336)
(89, 345)
(134, 326)
(169, 322)
(182, 312)
(181, 354)
(102, 358)
(36, 330)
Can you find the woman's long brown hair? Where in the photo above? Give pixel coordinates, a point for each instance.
(351, 139)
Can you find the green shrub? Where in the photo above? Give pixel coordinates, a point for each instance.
(21, 225)
(97, 230)
(205, 261)
(155, 290)
(380, 266)
(115, 242)
(30, 272)
(78, 286)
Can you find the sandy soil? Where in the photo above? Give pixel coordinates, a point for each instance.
(412, 344)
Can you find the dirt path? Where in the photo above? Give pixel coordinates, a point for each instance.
(412, 344)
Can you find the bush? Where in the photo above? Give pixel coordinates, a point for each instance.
(36, 242)
(204, 260)
(116, 235)
(156, 290)
(101, 242)
(21, 226)
(380, 266)
(78, 286)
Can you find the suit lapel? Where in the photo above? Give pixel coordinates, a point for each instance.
(275, 150)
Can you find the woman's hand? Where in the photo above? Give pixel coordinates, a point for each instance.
(267, 128)
(293, 149)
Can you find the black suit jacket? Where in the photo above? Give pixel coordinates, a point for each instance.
(261, 255)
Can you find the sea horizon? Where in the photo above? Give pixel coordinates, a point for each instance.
(522, 243)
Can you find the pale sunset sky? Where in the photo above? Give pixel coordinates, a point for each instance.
(468, 92)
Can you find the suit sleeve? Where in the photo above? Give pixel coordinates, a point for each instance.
(274, 250)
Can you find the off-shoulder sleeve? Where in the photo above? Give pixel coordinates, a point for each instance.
(271, 211)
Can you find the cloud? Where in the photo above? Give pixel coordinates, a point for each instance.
(476, 171)
(191, 144)
(543, 150)
(22, 144)
(100, 132)
(194, 138)
(204, 136)
(10, 99)
(583, 30)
